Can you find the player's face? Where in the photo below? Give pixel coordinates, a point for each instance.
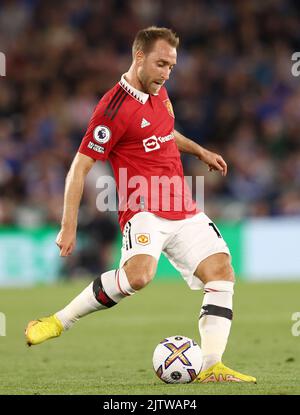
(155, 67)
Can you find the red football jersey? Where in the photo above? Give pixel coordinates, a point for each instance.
(135, 132)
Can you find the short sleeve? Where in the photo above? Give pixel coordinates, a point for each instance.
(102, 133)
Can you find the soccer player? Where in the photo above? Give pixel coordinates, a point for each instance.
(133, 127)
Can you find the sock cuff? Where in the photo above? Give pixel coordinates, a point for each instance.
(115, 285)
(219, 286)
(123, 283)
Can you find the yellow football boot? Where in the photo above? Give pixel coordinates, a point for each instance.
(37, 331)
(220, 373)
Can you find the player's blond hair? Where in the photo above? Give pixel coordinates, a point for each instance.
(145, 38)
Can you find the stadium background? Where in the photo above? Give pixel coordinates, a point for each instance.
(232, 91)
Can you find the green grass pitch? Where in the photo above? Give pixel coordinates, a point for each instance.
(110, 352)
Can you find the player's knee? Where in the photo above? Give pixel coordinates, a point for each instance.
(225, 272)
(140, 270)
(221, 270)
(216, 268)
(140, 279)
(139, 276)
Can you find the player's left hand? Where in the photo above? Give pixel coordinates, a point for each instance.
(214, 161)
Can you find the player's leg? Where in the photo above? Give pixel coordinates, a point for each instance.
(216, 273)
(199, 252)
(109, 289)
(104, 292)
(142, 244)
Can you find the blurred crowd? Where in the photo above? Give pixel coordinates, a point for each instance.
(232, 91)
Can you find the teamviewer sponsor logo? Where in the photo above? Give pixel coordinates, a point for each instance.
(151, 143)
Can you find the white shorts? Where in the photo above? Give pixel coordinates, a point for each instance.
(184, 242)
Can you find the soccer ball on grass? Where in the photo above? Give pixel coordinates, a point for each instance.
(177, 359)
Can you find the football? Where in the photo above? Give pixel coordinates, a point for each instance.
(177, 359)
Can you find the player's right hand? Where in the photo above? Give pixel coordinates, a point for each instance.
(66, 241)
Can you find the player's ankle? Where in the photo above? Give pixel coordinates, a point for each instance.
(209, 361)
(65, 320)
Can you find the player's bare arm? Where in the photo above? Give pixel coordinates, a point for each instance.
(213, 160)
(66, 239)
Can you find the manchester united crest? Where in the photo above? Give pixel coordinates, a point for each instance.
(142, 238)
(169, 107)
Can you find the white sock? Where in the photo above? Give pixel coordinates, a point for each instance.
(105, 292)
(215, 321)
(118, 287)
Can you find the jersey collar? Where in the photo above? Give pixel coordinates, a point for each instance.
(135, 93)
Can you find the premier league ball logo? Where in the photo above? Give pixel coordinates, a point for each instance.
(102, 134)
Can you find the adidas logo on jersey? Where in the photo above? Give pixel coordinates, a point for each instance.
(144, 123)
